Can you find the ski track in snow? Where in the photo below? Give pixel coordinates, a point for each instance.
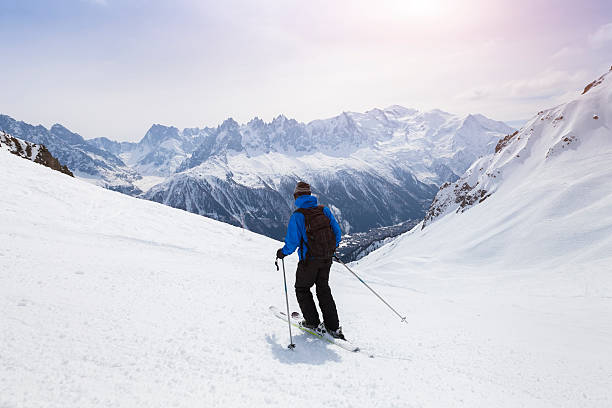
(108, 300)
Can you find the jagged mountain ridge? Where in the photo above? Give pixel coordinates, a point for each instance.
(436, 136)
(376, 168)
(443, 137)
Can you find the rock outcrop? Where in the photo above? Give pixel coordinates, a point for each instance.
(31, 151)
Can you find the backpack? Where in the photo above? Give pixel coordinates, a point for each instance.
(321, 238)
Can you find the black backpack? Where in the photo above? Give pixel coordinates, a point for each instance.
(321, 238)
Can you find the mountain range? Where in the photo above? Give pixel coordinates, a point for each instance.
(374, 169)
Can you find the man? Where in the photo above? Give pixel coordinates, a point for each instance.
(314, 230)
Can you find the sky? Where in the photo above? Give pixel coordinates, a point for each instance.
(114, 67)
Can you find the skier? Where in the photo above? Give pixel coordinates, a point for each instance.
(314, 230)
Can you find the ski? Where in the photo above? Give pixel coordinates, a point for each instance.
(295, 322)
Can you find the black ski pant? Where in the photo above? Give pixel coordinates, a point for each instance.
(316, 272)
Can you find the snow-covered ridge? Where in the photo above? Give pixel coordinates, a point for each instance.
(549, 134)
(447, 139)
(435, 135)
(31, 151)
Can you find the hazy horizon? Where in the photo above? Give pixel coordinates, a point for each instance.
(512, 123)
(113, 68)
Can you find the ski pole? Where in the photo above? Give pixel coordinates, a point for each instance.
(367, 286)
(291, 346)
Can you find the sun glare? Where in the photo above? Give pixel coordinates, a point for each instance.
(417, 8)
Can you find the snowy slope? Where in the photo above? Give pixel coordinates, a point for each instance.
(108, 300)
(559, 141)
(537, 251)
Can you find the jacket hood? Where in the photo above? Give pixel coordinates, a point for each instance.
(306, 201)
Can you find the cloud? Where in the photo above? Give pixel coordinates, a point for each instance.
(476, 94)
(566, 52)
(540, 85)
(549, 83)
(601, 37)
(98, 2)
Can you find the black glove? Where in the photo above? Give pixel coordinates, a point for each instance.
(279, 253)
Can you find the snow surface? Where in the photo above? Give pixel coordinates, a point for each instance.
(146, 182)
(108, 300)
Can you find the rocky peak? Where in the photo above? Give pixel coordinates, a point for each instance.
(66, 135)
(229, 124)
(158, 134)
(256, 123)
(279, 119)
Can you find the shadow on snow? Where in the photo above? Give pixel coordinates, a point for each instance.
(308, 350)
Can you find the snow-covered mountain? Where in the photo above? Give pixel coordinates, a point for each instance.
(86, 161)
(540, 204)
(567, 139)
(375, 169)
(437, 144)
(160, 152)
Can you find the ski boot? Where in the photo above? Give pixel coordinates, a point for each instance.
(309, 325)
(337, 334)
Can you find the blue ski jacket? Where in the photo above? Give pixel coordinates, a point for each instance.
(296, 231)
